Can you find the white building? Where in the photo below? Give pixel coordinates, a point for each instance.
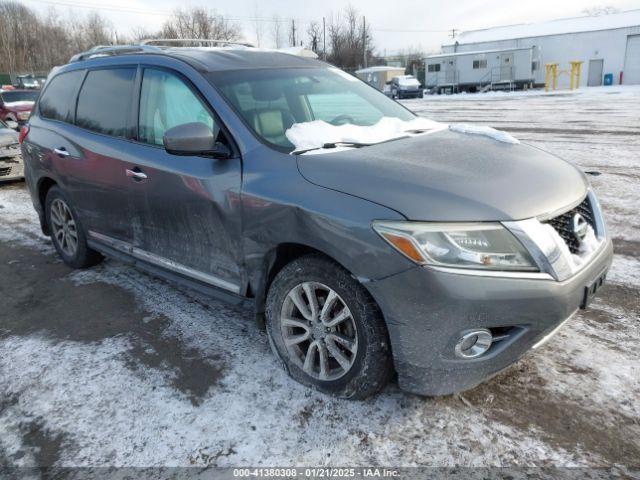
(607, 45)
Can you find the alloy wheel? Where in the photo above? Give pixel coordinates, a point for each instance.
(319, 331)
(64, 227)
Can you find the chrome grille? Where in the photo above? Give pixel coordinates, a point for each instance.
(563, 224)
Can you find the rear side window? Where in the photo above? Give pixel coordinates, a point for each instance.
(58, 100)
(104, 102)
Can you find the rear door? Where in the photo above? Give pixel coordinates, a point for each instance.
(595, 73)
(187, 208)
(98, 159)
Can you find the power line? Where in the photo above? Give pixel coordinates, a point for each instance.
(166, 13)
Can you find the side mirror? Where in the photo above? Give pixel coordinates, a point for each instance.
(12, 124)
(194, 139)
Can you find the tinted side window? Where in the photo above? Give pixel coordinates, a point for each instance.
(166, 102)
(58, 100)
(105, 100)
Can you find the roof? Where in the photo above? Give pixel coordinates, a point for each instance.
(379, 68)
(477, 52)
(210, 59)
(554, 27)
(215, 59)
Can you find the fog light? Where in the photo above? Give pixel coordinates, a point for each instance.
(474, 343)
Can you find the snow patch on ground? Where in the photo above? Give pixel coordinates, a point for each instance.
(18, 219)
(625, 271)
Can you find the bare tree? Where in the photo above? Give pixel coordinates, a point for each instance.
(197, 22)
(258, 26)
(276, 31)
(349, 37)
(35, 43)
(314, 35)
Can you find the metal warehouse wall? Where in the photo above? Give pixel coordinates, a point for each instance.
(608, 45)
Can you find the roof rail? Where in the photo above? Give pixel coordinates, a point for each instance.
(211, 42)
(109, 50)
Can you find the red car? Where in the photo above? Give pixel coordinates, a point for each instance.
(16, 105)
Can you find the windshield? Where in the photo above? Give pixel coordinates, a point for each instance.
(272, 100)
(16, 96)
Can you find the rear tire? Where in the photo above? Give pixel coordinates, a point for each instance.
(67, 233)
(349, 359)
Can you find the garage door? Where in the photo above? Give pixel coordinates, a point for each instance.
(631, 75)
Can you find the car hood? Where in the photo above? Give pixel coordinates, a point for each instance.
(448, 176)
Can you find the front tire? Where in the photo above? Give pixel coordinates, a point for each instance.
(67, 233)
(326, 329)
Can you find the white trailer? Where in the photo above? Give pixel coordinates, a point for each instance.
(482, 70)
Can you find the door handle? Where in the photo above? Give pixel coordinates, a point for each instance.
(136, 174)
(61, 152)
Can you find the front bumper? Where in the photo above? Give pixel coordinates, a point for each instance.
(11, 168)
(427, 310)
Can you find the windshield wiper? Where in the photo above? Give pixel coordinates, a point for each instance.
(330, 145)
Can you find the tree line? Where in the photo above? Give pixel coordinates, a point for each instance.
(33, 42)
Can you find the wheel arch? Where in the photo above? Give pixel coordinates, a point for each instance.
(44, 185)
(274, 261)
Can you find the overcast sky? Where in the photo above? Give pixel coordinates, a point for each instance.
(396, 24)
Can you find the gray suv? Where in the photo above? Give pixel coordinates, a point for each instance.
(441, 257)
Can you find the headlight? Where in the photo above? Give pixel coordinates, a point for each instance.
(460, 245)
(23, 115)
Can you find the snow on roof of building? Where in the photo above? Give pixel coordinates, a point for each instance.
(379, 68)
(477, 52)
(553, 27)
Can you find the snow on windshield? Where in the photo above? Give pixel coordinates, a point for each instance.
(499, 135)
(315, 134)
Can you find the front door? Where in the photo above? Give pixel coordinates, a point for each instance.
(595, 73)
(451, 76)
(506, 67)
(187, 208)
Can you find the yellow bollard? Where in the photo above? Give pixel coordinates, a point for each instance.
(551, 76)
(576, 68)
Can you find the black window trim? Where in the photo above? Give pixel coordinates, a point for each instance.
(130, 66)
(138, 96)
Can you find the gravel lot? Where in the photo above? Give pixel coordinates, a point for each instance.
(111, 367)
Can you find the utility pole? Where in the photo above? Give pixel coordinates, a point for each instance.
(293, 32)
(453, 32)
(364, 41)
(324, 39)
